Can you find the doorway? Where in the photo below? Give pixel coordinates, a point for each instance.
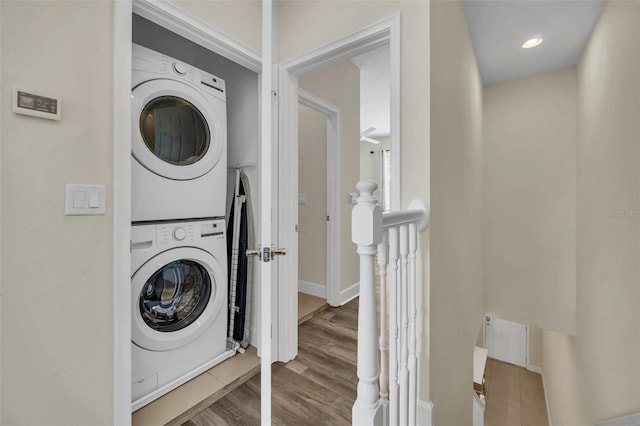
(295, 74)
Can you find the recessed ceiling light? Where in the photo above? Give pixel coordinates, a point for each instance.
(532, 42)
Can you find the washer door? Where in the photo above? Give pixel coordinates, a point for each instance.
(176, 132)
(176, 296)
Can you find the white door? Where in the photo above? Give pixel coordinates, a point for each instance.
(264, 259)
(506, 340)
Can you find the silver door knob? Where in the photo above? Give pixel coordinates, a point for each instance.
(278, 251)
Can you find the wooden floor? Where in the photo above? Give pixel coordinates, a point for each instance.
(317, 388)
(515, 396)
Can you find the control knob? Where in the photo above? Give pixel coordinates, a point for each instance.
(179, 233)
(179, 68)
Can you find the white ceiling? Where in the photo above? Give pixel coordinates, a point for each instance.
(375, 88)
(499, 27)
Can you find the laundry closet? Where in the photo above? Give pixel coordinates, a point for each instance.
(194, 220)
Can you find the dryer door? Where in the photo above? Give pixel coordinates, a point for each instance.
(177, 132)
(176, 296)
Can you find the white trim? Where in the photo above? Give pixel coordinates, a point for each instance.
(349, 293)
(287, 325)
(526, 359)
(266, 190)
(546, 398)
(361, 41)
(632, 420)
(178, 21)
(424, 414)
(313, 289)
(534, 368)
(122, 212)
(377, 34)
(334, 201)
(395, 109)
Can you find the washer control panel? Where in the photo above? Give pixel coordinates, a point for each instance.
(188, 232)
(172, 233)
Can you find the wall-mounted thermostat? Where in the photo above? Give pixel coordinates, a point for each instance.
(29, 103)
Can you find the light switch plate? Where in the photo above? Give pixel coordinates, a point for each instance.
(302, 198)
(83, 199)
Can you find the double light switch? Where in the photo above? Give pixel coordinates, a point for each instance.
(84, 199)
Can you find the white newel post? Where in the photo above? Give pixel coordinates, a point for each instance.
(367, 234)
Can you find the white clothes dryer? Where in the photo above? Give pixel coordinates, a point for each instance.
(179, 304)
(178, 140)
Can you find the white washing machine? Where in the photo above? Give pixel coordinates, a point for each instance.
(178, 140)
(179, 304)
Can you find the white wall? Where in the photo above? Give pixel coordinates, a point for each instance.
(366, 158)
(312, 181)
(457, 301)
(57, 271)
(529, 207)
(339, 84)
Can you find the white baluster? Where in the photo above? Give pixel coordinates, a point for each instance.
(404, 321)
(413, 361)
(384, 347)
(367, 234)
(393, 327)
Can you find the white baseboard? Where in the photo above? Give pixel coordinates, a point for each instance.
(546, 399)
(424, 413)
(632, 420)
(350, 293)
(313, 289)
(534, 368)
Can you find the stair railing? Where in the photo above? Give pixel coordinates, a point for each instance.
(387, 363)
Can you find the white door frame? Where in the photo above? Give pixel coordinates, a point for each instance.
(375, 35)
(333, 116)
(174, 19)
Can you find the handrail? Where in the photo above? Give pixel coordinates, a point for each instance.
(393, 238)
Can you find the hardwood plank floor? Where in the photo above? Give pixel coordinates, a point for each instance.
(317, 388)
(515, 396)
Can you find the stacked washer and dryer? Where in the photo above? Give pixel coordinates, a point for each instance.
(178, 242)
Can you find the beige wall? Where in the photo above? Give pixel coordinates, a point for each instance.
(529, 202)
(457, 304)
(57, 312)
(562, 379)
(596, 375)
(535, 347)
(312, 181)
(608, 267)
(339, 84)
(241, 20)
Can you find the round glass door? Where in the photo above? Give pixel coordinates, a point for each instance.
(174, 130)
(175, 296)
